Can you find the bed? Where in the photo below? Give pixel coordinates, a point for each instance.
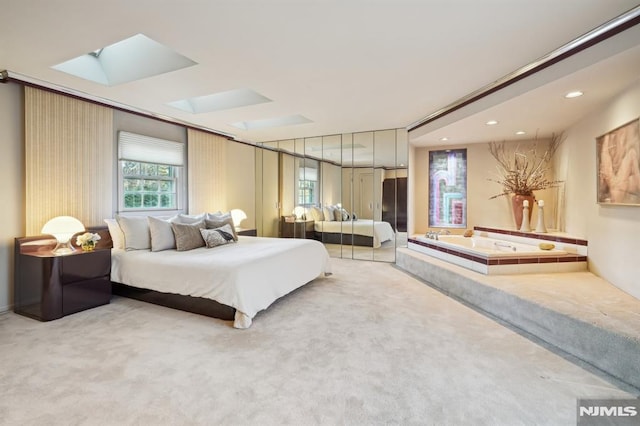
(361, 232)
(247, 276)
(233, 281)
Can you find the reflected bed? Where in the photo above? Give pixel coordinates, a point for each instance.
(361, 232)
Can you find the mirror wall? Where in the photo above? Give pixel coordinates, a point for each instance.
(348, 191)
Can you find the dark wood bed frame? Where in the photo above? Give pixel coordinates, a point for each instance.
(348, 239)
(195, 305)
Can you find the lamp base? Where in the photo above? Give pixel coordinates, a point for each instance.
(62, 249)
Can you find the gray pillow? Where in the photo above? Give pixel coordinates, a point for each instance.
(162, 236)
(218, 236)
(136, 232)
(188, 236)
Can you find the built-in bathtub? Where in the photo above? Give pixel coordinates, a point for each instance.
(490, 255)
(492, 247)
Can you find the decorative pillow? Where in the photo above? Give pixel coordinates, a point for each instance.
(190, 218)
(117, 237)
(217, 221)
(188, 236)
(218, 236)
(337, 214)
(327, 212)
(353, 216)
(162, 236)
(136, 232)
(345, 214)
(316, 214)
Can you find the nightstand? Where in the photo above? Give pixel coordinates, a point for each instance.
(48, 287)
(296, 229)
(247, 232)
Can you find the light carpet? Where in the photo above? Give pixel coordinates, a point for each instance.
(367, 345)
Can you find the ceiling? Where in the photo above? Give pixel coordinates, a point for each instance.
(346, 65)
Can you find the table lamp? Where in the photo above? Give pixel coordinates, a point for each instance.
(63, 228)
(237, 216)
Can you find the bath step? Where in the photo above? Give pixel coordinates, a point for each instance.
(576, 312)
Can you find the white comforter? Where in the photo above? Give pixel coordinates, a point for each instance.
(248, 275)
(380, 231)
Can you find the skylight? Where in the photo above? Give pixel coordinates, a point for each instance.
(128, 60)
(289, 120)
(219, 101)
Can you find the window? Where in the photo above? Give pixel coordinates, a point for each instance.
(150, 173)
(448, 188)
(306, 192)
(308, 182)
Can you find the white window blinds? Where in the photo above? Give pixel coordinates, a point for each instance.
(146, 149)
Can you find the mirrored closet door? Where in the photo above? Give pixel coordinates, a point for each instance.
(347, 190)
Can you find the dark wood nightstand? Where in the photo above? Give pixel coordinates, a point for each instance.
(247, 232)
(47, 287)
(296, 229)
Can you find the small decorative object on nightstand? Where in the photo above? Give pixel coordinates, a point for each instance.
(49, 286)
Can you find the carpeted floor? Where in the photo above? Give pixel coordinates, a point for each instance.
(368, 345)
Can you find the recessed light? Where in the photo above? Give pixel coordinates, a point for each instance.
(521, 132)
(444, 139)
(573, 94)
(491, 123)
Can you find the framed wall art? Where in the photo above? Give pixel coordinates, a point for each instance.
(618, 164)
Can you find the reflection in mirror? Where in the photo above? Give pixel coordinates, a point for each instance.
(385, 194)
(364, 195)
(348, 191)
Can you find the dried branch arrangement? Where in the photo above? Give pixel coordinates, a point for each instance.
(522, 172)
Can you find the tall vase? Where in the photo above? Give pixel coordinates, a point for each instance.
(516, 203)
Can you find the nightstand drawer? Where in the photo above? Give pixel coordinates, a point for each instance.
(83, 295)
(85, 266)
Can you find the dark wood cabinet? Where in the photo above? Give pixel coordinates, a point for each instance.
(394, 203)
(47, 287)
(296, 229)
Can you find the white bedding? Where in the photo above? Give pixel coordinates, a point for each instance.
(380, 231)
(248, 275)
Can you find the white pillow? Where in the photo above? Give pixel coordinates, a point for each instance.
(117, 237)
(316, 214)
(337, 214)
(162, 236)
(327, 212)
(136, 232)
(189, 218)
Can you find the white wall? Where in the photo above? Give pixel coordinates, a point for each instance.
(241, 189)
(613, 232)
(12, 224)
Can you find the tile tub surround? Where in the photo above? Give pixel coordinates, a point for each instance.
(578, 313)
(571, 258)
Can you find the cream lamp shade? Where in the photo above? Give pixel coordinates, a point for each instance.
(238, 216)
(63, 228)
(299, 212)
